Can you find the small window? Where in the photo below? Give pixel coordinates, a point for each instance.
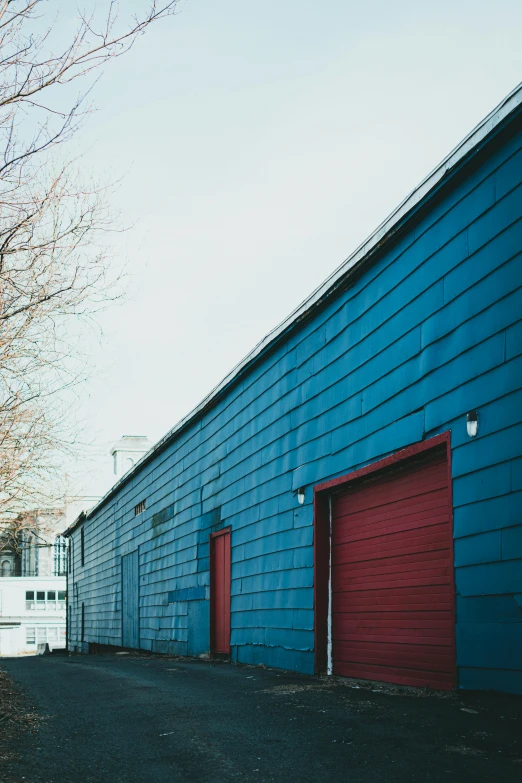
(41, 635)
(29, 599)
(5, 569)
(30, 636)
(61, 599)
(40, 599)
(140, 507)
(59, 556)
(51, 595)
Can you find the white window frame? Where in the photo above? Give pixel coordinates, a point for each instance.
(55, 604)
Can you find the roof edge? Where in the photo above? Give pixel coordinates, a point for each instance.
(481, 131)
(79, 519)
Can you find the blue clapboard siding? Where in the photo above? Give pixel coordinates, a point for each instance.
(431, 330)
(130, 600)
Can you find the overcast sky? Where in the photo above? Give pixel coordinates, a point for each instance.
(259, 144)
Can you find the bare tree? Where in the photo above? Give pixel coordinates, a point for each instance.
(52, 265)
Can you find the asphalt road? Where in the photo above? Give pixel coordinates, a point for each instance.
(126, 718)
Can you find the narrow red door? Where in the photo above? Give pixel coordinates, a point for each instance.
(220, 591)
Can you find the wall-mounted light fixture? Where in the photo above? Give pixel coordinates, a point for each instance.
(301, 495)
(472, 423)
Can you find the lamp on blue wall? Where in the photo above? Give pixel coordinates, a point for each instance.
(301, 495)
(472, 423)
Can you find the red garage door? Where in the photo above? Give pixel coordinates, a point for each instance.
(392, 578)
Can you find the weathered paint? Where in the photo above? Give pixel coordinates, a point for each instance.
(431, 329)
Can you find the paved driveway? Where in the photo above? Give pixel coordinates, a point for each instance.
(126, 718)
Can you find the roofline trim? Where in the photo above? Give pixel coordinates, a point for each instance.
(508, 105)
(79, 519)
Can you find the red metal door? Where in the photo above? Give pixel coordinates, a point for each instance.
(220, 591)
(392, 578)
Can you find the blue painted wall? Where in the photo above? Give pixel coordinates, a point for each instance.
(431, 330)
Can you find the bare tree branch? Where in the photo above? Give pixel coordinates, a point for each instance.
(54, 270)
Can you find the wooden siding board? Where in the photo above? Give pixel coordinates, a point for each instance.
(491, 579)
(509, 175)
(489, 261)
(509, 681)
(516, 475)
(499, 217)
(502, 306)
(496, 415)
(511, 547)
(496, 447)
(277, 657)
(482, 643)
(514, 340)
(478, 359)
(489, 609)
(482, 484)
(480, 548)
(431, 330)
(485, 388)
(298, 598)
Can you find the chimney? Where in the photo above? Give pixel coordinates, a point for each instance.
(128, 451)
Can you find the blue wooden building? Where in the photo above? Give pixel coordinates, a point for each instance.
(349, 498)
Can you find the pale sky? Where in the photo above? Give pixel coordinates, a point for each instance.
(259, 144)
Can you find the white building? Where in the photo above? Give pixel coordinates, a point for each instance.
(32, 614)
(33, 567)
(33, 583)
(129, 450)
